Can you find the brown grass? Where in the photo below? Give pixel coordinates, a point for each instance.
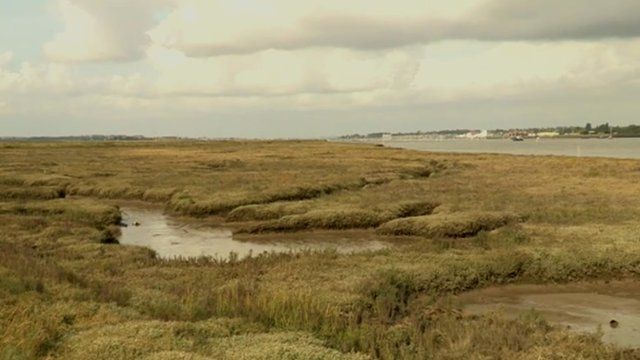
(323, 219)
(66, 293)
(332, 219)
(456, 225)
(33, 193)
(270, 211)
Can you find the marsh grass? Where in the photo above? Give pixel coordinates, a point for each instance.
(31, 193)
(456, 225)
(84, 211)
(339, 218)
(66, 293)
(270, 211)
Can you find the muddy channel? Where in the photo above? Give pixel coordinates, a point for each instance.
(610, 308)
(171, 238)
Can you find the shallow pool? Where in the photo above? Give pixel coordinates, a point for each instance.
(613, 309)
(171, 238)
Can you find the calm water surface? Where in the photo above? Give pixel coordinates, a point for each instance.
(614, 148)
(170, 238)
(587, 309)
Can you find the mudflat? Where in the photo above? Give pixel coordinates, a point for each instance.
(612, 309)
(171, 238)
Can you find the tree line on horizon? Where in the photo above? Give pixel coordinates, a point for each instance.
(588, 129)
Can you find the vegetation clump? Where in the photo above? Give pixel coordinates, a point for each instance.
(269, 211)
(109, 235)
(31, 193)
(456, 225)
(414, 208)
(338, 219)
(83, 211)
(330, 219)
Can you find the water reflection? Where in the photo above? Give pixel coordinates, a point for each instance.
(616, 148)
(170, 238)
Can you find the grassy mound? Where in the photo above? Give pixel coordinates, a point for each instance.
(461, 224)
(108, 191)
(32, 193)
(193, 205)
(81, 211)
(323, 219)
(329, 219)
(267, 211)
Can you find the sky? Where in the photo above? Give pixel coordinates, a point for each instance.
(314, 68)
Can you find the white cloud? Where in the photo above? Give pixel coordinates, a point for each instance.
(202, 28)
(210, 28)
(450, 65)
(5, 58)
(29, 78)
(336, 78)
(231, 57)
(98, 30)
(278, 73)
(7, 78)
(4, 108)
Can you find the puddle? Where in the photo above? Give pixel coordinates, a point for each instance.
(170, 238)
(583, 308)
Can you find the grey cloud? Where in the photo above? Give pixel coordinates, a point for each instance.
(552, 20)
(496, 20)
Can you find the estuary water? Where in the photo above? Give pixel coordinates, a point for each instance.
(170, 238)
(624, 148)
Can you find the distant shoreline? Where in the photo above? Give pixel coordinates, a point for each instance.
(380, 140)
(618, 148)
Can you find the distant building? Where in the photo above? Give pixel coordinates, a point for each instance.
(482, 135)
(387, 137)
(549, 134)
(475, 135)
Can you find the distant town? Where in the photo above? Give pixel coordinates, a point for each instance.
(589, 130)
